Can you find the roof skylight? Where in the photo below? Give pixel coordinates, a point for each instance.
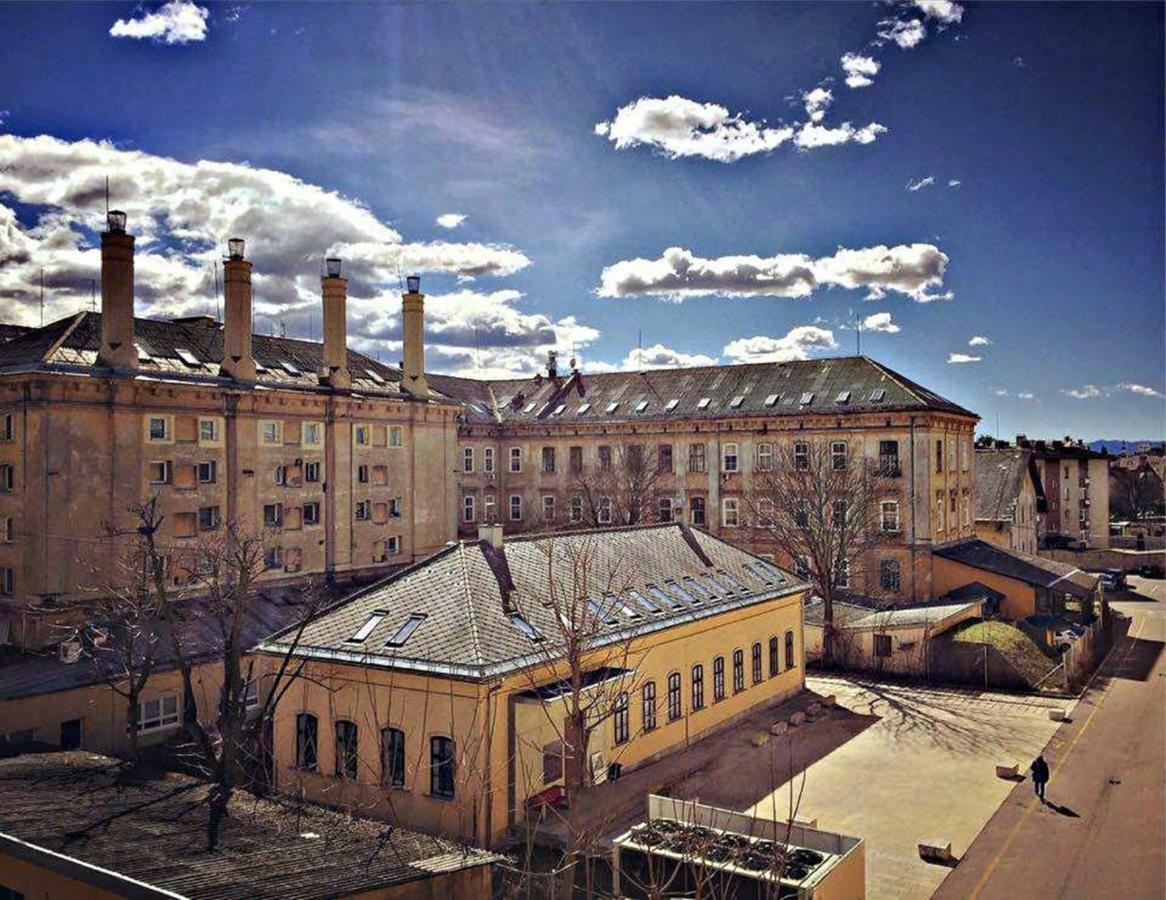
(671, 405)
(529, 407)
(702, 403)
(559, 409)
(670, 599)
(402, 634)
(366, 629)
(771, 400)
(698, 592)
(583, 407)
(641, 406)
(604, 614)
(807, 398)
(737, 401)
(843, 397)
(187, 357)
(374, 375)
(525, 627)
(876, 396)
(643, 601)
(289, 367)
(143, 356)
(612, 407)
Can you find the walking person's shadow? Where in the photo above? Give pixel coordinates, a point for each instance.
(1062, 810)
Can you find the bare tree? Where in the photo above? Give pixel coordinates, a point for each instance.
(821, 509)
(622, 489)
(1135, 494)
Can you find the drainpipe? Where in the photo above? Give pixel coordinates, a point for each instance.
(914, 513)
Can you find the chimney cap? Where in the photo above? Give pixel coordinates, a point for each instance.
(115, 221)
(332, 266)
(414, 283)
(235, 248)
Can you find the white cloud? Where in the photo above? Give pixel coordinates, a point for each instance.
(1018, 61)
(1025, 395)
(880, 322)
(1087, 392)
(1142, 390)
(1000, 392)
(909, 269)
(660, 357)
(812, 135)
(978, 340)
(921, 183)
(679, 127)
(954, 183)
(176, 22)
(798, 343)
(450, 220)
(963, 358)
(944, 11)
(907, 33)
(860, 70)
(817, 102)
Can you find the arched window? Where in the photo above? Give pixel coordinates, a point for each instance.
(718, 679)
(790, 662)
(756, 659)
(648, 693)
(306, 741)
(738, 671)
(698, 686)
(347, 749)
(442, 766)
(393, 757)
(774, 657)
(621, 719)
(673, 696)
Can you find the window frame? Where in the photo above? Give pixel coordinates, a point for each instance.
(774, 656)
(347, 749)
(730, 506)
(675, 703)
(839, 456)
(738, 670)
(697, 687)
(442, 769)
(758, 672)
(790, 659)
(648, 706)
(393, 757)
(621, 719)
(514, 455)
(718, 678)
(304, 746)
(730, 457)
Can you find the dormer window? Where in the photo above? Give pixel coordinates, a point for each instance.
(877, 395)
(375, 376)
(559, 409)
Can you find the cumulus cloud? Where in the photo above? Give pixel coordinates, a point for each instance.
(909, 269)
(860, 70)
(813, 134)
(881, 322)
(978, 340)
(954, 183)
(1142, 390)
(797, 343)
(1000, 392)
(817, 102)
(176, 22)
(906, 33)
(963, 358)
(679, 127)
(659, 356)
(921, 183)
(1025, 395)
(944, 11)
(450, 220)
(1087, 392)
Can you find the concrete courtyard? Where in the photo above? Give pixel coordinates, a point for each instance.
(923, 771)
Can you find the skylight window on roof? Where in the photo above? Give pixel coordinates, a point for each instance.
(288, 367)
(374, 375)
(807, 398)
(761, 576)
(696, 591)
(877, 395)
(143, 356)
(733, 583)
(643, 601)
(775, 573)
(714, 587)
(843, 397)
(604, 614)
(671, 405)
(529, 407)
(525, 627)
(612, 407)
(583, 407)
(366, 629)
(624, 607)
(771, 400)
(402, 634)
(670, 599)
(702, 403)
(641, 406)
(187, 357)
(259, 367)
(737, 401)
(559, 409)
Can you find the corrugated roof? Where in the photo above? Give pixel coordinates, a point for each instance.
(151, 827)
(467, 599)
(1034, 570)
(912, 616)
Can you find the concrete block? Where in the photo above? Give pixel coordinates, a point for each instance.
(797, 719)
(805, 823)
(814, 709)
(1009, 771)
(829, 701)
(779, 728)
(759, 739)
(936, 851)
(1057, 714)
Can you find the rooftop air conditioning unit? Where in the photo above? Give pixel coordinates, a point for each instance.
(69, 651)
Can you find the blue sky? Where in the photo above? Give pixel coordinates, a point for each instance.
(353, 128)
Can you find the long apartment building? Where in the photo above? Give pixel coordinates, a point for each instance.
(525, 446)
(342, 462)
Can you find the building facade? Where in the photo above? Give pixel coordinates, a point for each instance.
(1010, 499)
(1076, 488)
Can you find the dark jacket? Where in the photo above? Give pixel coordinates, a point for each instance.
(1040, 770)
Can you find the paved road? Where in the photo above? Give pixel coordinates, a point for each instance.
(1103, 833)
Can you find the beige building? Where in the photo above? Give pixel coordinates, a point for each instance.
(341, 461)
(437, 698)
(525, 445)
(1009, 498)
(1076, 488)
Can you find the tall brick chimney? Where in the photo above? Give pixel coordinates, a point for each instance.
(237, 359)
(117, 295)
(413, 378)
(335, 289)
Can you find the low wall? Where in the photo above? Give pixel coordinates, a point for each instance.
(1132, 542)
(960, 662)
(1126, 560)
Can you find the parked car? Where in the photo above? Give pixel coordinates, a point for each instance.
(1113, 580)
(1150, 570)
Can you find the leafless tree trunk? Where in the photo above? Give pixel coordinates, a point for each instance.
(622, 488)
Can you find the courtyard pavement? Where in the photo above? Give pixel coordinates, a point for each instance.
(924, 770)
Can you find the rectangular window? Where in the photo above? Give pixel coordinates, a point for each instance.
(604, 458)
(718, 679)
(468, 511)
(729, 459)
(882, 645)
(889, 459)
(842, 573)
(311, 513)
(362, 435)
(281, 475)
(802, 567)
(273, 515)
(270, 433)
(801, 456)
(548, 460)
(310, 434)
(363, 510)
(402, 634)
(889, 515)
(730, 512)
(8, 432)
(362, 474)
(394, 507)
(697, 687)
(395, 436)
(575, 460)
(648, 698)
(738, 671)
(273, 558)
(755, 659)
(515, 459)
(576, 509)
(939, 456)
(208, 431)
(306, 741)
(515, 508)
(7, 581)
(664, 458)
(467, 459)
(938, 511)
(839, 455)
(548, 508)
(764, 513)
(207, 472)
(774, 657)
(664, 509)
(790, 661)
(967, 511)
(488, 460)
(159, 713)
(696, 458)
(838, 515)
(442, 767)
(621, 720)
(802, 513)
(159, 428)
(889, 575)
(159, 472)
(765, 457)
(347, 749)
(208, 518)
(393, 757)
(696, 510)
(673, 696)
(312, 472)
(6, 530)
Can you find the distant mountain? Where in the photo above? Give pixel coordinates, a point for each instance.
(1116, 446)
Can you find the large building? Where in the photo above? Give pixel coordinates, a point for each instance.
(1010, 499)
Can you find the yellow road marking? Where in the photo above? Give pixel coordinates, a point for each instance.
(1032, 803)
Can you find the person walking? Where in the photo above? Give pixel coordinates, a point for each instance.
(1040, 776)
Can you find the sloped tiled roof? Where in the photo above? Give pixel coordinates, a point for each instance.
(1035, 570)
(822, 386)
(1000, 476)
(74, 341)
(466, 591)
(150, 827)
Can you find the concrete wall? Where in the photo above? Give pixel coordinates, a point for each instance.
(1126, 560)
